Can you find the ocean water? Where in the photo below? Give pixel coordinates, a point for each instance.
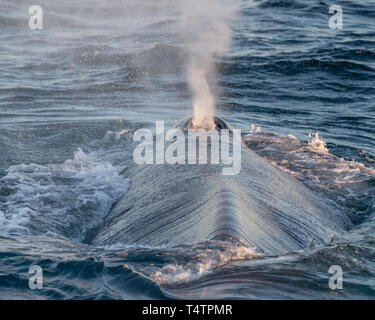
(72, 94)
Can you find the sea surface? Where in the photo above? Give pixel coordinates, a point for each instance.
(72, 94)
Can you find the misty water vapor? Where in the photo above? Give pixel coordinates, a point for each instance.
(205, 31)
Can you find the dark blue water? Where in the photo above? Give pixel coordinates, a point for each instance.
(72, 94)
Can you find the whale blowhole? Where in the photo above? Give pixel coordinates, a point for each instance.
(217, 124)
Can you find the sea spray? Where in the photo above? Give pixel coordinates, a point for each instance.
(205, 30)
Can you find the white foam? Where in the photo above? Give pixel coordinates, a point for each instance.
(317, 142)
(15, 223)
(68, 199)
(255, 129)
(347, 183)
(203, 262)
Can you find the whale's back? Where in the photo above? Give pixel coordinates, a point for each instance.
(181, 204)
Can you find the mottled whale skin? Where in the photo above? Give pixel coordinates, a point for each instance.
(261, 207)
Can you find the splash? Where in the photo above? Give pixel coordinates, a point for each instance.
(203, 261)
(206, 34)
(347, 184)
(68, 199)
(317, 142)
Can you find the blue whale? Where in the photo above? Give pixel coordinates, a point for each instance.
(262, 207)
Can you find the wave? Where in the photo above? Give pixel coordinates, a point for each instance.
(69, 199)
(202, 260)
(349, 185)
(183, 263)
(342, 65)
